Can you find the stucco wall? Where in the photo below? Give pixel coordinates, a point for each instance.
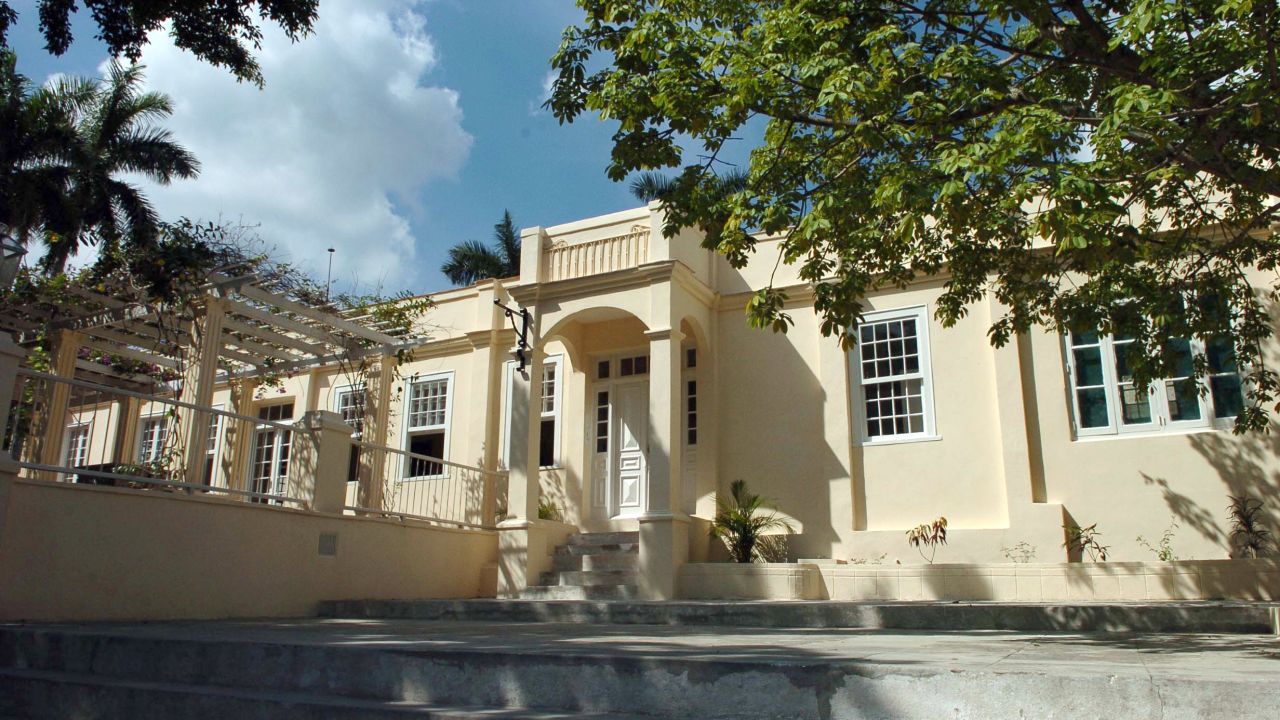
(124, 554)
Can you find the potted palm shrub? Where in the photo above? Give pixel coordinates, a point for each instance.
(742, 521)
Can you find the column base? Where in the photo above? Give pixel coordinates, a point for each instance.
(525, 549)
(664, 547)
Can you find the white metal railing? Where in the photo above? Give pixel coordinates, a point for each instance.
(565, 261)
(75, 431)
(421, 487)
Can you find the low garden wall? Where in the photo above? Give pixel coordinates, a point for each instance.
(1026, 582)
(79, 552)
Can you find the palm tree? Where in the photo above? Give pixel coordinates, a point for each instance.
(472, 260)
(651, 185)
(743, 523)
(38, 142)
(114, 133)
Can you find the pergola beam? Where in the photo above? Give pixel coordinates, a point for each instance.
(359, 354)
(238, 307)
(139, 341)
(297, 308)
(259, 348)
(268, 335)
(131, 353)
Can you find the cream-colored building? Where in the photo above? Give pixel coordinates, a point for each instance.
(645, 393)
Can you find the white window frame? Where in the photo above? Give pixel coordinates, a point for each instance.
(408, 431)
(509, 370)
(217, 431)
(1157, 397)
(341, 390)
(857, 393)
(161, 416)
(85, 426)
(278, 481)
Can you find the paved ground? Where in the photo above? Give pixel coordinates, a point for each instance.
(1234, 658)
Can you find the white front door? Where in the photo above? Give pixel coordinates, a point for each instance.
(630, 432)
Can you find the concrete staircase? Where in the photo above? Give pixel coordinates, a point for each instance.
(591, 566)
(307, 669)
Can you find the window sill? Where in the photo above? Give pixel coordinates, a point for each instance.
(1225, 426)
(898, 440)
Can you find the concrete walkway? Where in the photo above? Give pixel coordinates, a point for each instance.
(712, 672)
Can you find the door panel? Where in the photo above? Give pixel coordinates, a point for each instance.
(632, 412)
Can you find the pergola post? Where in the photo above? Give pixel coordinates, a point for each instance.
(377, 420)
(199, 374)
(53, 422)
(125, 433)
(238, 445)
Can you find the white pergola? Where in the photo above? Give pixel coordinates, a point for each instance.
(232, 329)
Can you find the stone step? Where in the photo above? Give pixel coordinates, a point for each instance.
(596, 562)
(1166, 617)
(40, 694)
(605, 538)
(607, 549)
(593, 578)
(318, 669)
(593, 593)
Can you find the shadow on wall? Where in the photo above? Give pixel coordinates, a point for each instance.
(1246, 465)
(794, 469)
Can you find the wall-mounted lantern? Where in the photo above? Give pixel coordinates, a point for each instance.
(10, 259)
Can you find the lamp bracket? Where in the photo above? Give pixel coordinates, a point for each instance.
(522, 332)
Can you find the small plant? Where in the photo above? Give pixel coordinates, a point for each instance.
(547, 510)
(1023, 552)
(742, 520)
(1085, 541)
(1248, 539)
(1164, 548)
(868, 561)
(930, 536)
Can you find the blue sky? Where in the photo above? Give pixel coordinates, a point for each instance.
(400, 128)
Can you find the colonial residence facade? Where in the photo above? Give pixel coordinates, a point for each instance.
(634, 392)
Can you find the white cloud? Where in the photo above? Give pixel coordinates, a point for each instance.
(535, 106)
(343, 138)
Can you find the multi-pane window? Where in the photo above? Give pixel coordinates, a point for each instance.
(637, 365)
(211, 447)
(690, 397)
(271, 445)
(891, 362)
(1107, 401)
(691, 412)
(152, 433)
(350, 405)
(77, 447)
(549, 400)
(428, 425)
(429, 403)
(602, 421)
(549, 413)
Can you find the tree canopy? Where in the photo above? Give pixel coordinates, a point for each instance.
(1104, 164)
(223, 33)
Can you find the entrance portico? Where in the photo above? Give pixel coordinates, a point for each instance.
(632, 369)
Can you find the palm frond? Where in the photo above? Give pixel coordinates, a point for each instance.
(471, 260)
(508, 238)
(649, 186)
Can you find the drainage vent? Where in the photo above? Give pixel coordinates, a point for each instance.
(329, 544)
